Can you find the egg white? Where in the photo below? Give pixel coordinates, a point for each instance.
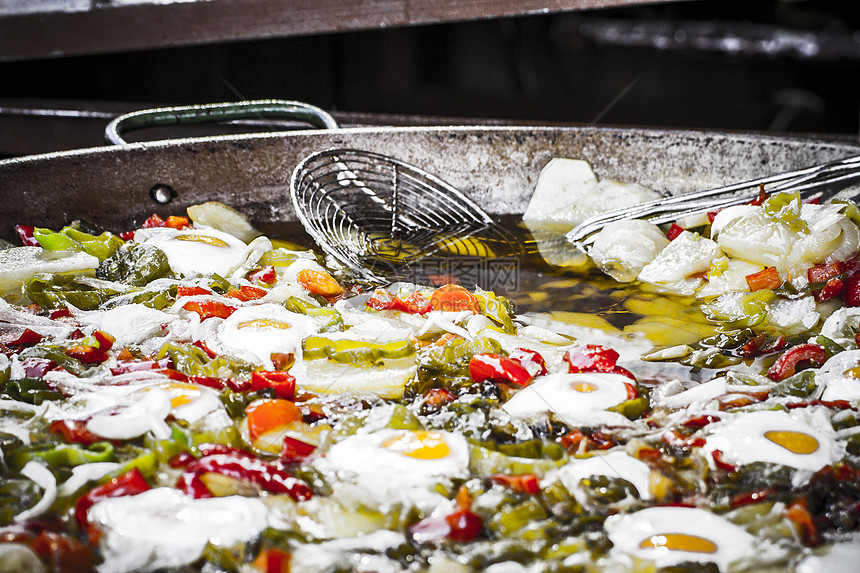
(400, 457)
(576, 399)
(196, 252)
(744, 439)
(697, 535)
(254, 332)
(164, 528)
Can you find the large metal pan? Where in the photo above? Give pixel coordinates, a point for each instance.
(118, 186)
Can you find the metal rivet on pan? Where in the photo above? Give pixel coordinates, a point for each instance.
(162, 194)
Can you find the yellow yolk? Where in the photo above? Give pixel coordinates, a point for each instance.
(421, 445)
(679, 542)
(214, 241)
(263, 323)
(584, 387)
(795, 442)
(180, 393)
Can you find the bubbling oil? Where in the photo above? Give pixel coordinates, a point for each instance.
(507, 261)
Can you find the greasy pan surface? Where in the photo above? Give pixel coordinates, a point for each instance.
(497, 167)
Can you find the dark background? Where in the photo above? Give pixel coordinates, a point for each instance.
(773, 65)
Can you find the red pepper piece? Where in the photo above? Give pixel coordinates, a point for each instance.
(415, 303)
(700, 421)
(525, 483)
(435, 398)
(748, 498)
(104, 339)
(191, 291)
(209, 309)
(531, 360)
(281, 382)
(464, 526)
(272, 560)
(210, 382)
(594, 358)
(246, 293)
(498, 369)
(765, 279)
(59, 313)
(25, 233)
(265, 275)
(675, 439)
(823, 272)
(26, 338)
(851, 294)
(74, 431)
(130, 483)
(126, 366)
(86, 354)
(295, 450)
(153, 221)
(798, 512)
(718, 461)
(241, 467)
(202, 346)
(453, 297)
(674, 231)
(786, 365)
(181, 460)
(833, 288)
(62, 553)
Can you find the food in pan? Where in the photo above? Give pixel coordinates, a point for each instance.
(178, 398)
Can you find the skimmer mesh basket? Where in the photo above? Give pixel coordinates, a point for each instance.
(382, 218)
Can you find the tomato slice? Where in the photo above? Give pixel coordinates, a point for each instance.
(455, 298)
(267, 415)
(319, 282)
(765, 279)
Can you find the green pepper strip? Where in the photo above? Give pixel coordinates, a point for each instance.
(354, 351)
(65, 455)
(335, 320)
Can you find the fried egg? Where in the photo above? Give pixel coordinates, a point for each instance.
(576, 399)
(254, 332)
(127, 412)
(402, 457)
(196, 252)
(773, 436)
(840, 376)
(614, 464)
(672, 535)
(164, 528)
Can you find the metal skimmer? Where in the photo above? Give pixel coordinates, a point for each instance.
(819, 181)
(378, 216)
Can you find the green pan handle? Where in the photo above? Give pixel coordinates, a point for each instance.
(217, 112)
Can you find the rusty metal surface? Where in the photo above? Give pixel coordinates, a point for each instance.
(74, 28)
(495, 166)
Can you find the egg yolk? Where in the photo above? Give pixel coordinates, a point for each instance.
(794, 442)
(421, 445)
(584, 387)
(263, 323)
(206, 239)
(181, 394)
(679, 542)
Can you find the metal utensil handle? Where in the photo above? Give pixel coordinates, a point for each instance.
(217, 112)
(669, 209)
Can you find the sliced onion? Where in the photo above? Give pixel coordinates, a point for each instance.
(42, 477)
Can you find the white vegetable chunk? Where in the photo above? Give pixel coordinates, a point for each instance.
(687, 255)
(623, 248)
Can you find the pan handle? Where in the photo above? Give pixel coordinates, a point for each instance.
(210, 113)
